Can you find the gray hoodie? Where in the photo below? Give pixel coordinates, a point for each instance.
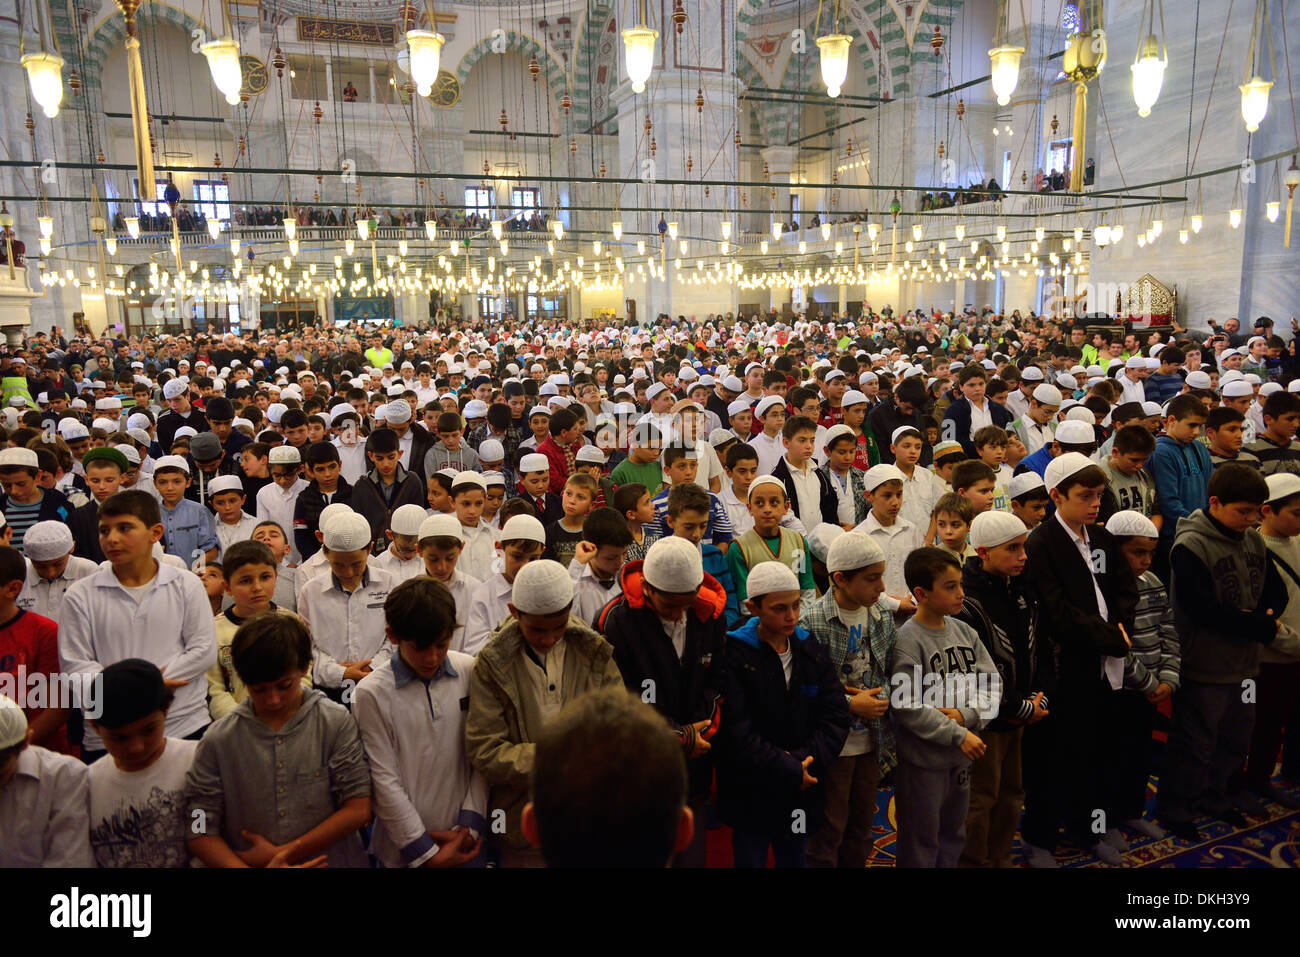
(933, 668)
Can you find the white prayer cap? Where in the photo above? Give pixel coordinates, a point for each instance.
(397, 412)
(491, 450)
(1022, 483)
(137, 420)
(534, 462)
(851, 551)
(674, 565)
(468, 478)
(879, 474)
(738, 406)
(274, 411)
(522, 528)
(543, 588)
(132, 457)
(1130, 523)
(347, 533)
(995, 527)
(18, 458)
(1048, 394)
(284, 455)
(224, 483)
(13, 723)
(440, 526)
(172, 462)
(768, 577)
(331, 512)
(174, 388)
(407, 519)
(47, 541)
(821, 537)
(185, 432)
(1062, 467)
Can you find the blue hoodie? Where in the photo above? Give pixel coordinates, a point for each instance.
(1182, 473)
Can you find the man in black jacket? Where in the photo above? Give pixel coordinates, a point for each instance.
(668, 630)
(903, 408)
(1076, 570)
(1004, 616)
(784, 723)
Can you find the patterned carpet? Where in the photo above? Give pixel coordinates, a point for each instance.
(1268, 842)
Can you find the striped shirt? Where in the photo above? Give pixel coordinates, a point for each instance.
(22, 517)
(1155, 656)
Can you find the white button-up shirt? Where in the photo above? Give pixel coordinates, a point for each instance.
(344, 627)
(46, 597)
(770, 451)
(897, 541)
(1131, 391)
(462, 589)
(920, 492)
(45, 812)
(808, 492)
(274, 504)
(241, 531)
(742, 521)
(414, 735)
(171, 625)
(589, 595)
(399, 569)
(479, 551)
(488, 608)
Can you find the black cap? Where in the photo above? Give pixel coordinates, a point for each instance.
(129, 690)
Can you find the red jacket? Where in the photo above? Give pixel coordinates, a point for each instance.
(554, 452)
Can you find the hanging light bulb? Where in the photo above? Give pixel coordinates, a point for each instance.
(1254, 101)
(338, 262)
(45, 74)
(455, 247)
(132, 226)
(908, 245)
(1149, 64)
(1234, 218)
(110, 245)
(557, 228)
(293, 247)
(916, 231)
(46, 226)
(1197, 222)
(1005, 62)
(826, 231)
(726, 230)
(223, 61)
(401, 247)
(498, 227)
(363, 229)
(1002, 233)
(834, 49)
(1066, 245)
(640, 247)
(1183, 236)
(234, 245)
(681, 247)
(1039, 233)
(959, 231)
(595, 247)
(762, 246)
(290, 227)
(616, 227)
(349, 245)
(214, 228)
(425, 54)
(639, 53)
(672, 231)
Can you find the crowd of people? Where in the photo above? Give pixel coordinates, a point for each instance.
(576, 593)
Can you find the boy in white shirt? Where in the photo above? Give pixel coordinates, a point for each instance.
(226, 492)
(276, 502)
(896, 536)
(402, 557)
(430, 803)
(741, 469)
(468, 493)
(522, 541)
(769, 444)
(441, 538)
(51, 568)
(598, 562)
(921, 489)
(316, 565)
(345, 609)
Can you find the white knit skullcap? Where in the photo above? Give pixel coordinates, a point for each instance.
(768, 577)
(1063, 466)
(468, 478)
(673, 565)
(47, 541)
(174, 388)
(1048, 394)
(347, 533)
(441, 526)
(331, 512)
(765, 480)
(1081, 413)
(185, 432)
(222, 483)
(138, 420)
(534, 462)
(13, 723)
(820, 539)
(1022, 483)
(491, 450)
(542, 588)
(851, 551)
(1130, 523)
(522, 528)
(993, 528)
(407, 519)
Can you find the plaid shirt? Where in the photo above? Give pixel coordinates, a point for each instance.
(821, 620)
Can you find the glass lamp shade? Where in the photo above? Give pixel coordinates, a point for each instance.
(401, 247)
(672, 230)
(363, 229)
(110, 245)
(455, 247)
(826, 230)
(1117, 233)
(293, 247)
(557, 227)
(873, 230)
(595, 247)
(424, 50)
(1272, 209)
(132, 226)
(1039, 233)
(960, 232)
(916, 231)
(726, 230)
(1148, 75)
(46, 226)
(349, 245)
(46, 246)
(616, 227)
(223, 61)
(1254, 101)
(1197, 222)
(776, 231)
(214, 228)
(1002, 233)
(45, 74)
(1234, 218)
(835, 61)
(1183, 236)
(431, 229)
(290, 227)
(762, 247)
(1005, 70)
(234, 245)
(639, 54)
(498, 227)
(803, 247)
(640, 247)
